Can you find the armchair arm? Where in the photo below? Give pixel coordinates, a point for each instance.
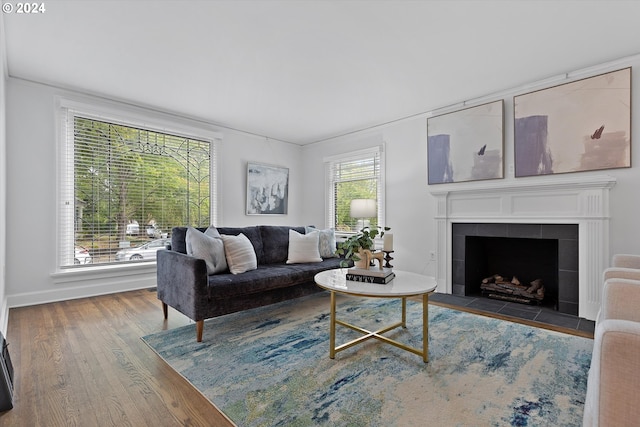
(182, 282)
(614, 376)
(621, 273)
(626, 261)
(621, 300)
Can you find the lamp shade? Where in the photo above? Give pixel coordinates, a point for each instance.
(363, 208)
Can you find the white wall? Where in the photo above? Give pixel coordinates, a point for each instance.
(410, 208)
(235, 151)
(31, 276)
(4, 311)
(408, 203)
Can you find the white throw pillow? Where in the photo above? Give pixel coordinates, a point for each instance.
(210, 249)
(326, 241)
(303, 247)
(240, 254)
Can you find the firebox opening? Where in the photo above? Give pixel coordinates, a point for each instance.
(524, 258)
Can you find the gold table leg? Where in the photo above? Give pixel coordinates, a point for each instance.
(404, 313)
(425, 328)
(377, 334)
(332, 327)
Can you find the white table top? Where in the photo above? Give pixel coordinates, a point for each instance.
(403, 285)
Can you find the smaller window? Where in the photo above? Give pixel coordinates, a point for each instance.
(357, 175)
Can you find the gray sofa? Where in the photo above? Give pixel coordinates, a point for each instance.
(183, 282)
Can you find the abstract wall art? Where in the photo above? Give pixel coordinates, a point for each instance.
(267, 189)
(579, 126)
(466, 145)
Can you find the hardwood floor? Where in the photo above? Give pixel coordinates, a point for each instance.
(82, 363)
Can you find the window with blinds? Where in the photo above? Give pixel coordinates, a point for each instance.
(123, 189)
(357, 175)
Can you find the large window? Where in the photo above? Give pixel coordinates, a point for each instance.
(357, 175)
(125, 187)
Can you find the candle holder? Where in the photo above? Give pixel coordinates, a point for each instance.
(387, 258)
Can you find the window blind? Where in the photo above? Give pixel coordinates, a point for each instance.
(123, 188)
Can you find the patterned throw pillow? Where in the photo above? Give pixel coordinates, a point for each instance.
(240, 254)
(326, 241)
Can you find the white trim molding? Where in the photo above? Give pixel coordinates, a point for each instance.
(581, 200)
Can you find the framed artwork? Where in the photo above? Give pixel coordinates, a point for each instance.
(466, 145)
(579, 126)
(267, 189)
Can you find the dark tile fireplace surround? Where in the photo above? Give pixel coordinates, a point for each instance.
(529, 251)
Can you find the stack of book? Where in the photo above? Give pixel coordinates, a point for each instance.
(371, 275)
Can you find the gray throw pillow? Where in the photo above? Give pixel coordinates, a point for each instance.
(210, 249)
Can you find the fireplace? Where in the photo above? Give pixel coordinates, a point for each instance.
(580, 201)
(528, 252)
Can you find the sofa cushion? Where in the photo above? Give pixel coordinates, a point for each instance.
(208, 247)
(239, 253)
(326, 241)
(275, 241)
(252, 233)
(266, 277)
(303, 247)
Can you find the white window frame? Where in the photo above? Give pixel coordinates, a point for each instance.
(126, 115)
(329, 163)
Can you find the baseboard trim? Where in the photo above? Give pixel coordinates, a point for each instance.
(69, 293)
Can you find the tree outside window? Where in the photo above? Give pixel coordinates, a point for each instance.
(131, 186)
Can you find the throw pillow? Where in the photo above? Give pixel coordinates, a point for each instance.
(303, 247)
(213, 232)
(240, 254)
(210, 249)
(326, 241)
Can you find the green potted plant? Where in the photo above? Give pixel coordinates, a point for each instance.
(364, 239)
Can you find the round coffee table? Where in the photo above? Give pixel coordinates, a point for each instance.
(404, 285)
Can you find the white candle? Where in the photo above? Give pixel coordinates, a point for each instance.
(387, 242)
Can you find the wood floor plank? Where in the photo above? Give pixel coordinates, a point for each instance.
(82, 363)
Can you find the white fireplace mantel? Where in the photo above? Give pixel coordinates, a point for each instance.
(577, 199)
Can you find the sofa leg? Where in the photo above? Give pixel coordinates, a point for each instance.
(165, 311)
(199, 329)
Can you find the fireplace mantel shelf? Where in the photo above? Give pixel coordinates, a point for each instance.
(526, 184)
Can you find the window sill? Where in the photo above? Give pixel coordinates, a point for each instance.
(102, 272)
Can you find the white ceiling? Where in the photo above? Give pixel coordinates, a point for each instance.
(305, 71)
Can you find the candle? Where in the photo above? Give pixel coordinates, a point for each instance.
(387, 242)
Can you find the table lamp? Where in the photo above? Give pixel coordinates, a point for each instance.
(363, 208)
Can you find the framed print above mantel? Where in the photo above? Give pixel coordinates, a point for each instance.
(466, 145)
(584, 125)
(267, 189)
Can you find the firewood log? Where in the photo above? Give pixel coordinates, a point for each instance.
(491, 279)
(535, 285)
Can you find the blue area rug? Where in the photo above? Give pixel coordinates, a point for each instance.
(270, 367)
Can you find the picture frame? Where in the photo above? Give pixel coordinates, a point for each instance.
(466, 145)
(267, 189)
(583, 125)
